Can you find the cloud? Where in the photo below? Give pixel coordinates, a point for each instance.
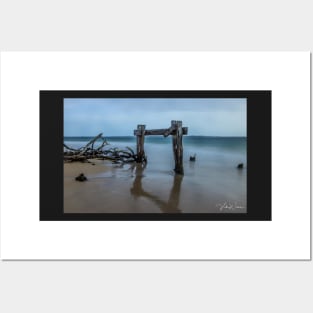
(210, 117)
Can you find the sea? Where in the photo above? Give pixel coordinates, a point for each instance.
(212, 183)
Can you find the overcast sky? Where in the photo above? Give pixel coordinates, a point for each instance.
(119, 117)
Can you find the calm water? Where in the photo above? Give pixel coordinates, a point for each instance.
(211, 151)
(211, 184)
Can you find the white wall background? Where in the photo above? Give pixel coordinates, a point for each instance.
(37, 286)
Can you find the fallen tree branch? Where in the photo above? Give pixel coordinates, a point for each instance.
(115, 155)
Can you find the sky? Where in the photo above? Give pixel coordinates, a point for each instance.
(120, 116)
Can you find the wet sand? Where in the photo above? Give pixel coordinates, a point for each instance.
(133, 188)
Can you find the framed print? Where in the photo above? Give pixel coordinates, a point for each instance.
(220, 169)
(155, 156)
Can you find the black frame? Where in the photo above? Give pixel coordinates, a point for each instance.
(259, 185)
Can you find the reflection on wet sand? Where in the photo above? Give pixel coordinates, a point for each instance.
(172, 205)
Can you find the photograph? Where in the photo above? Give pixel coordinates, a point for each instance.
(155, 155)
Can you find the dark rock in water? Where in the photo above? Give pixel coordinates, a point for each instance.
(192, 158)
(81, 177)
(240, 165)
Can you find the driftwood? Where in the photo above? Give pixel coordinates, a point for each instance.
(83, 150)
(84, 154)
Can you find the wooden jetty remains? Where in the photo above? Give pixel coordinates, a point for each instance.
(176, 130)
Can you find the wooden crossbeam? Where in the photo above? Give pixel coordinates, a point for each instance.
(163, 131)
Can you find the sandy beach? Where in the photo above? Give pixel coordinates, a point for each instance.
(111, 189)
(101, 193)
(133, 188)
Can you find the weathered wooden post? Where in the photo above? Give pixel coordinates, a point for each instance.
(140, 143)
(177, 136)
(176, 130)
